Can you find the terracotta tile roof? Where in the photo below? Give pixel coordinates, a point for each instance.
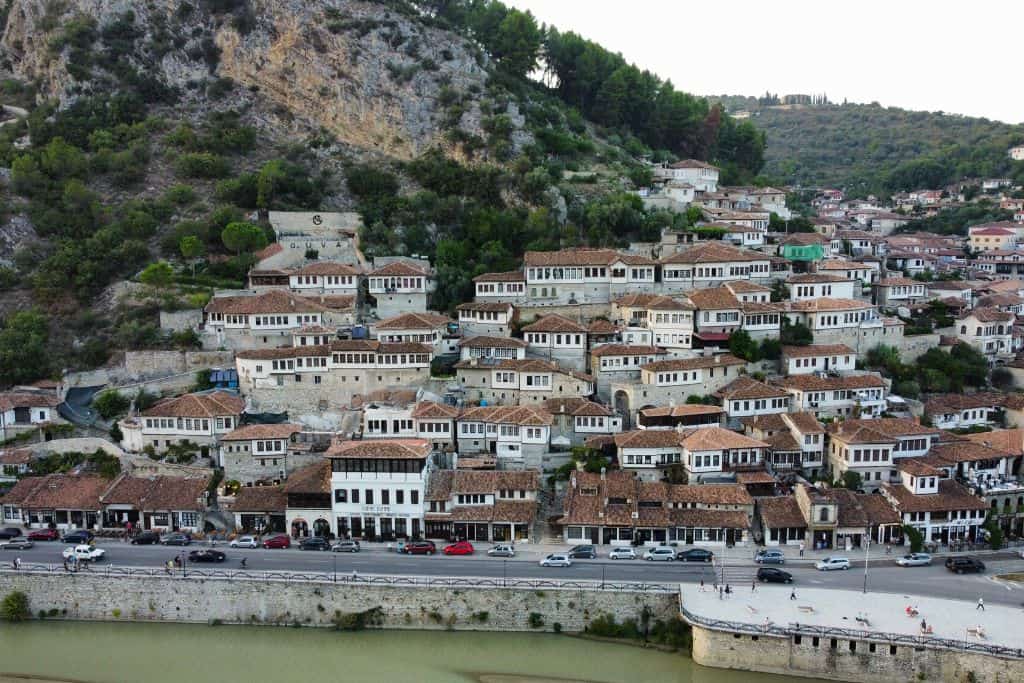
(716, 438)
(681, 411)
(533, 365)
(748, 388)
(314, 478)
(1007, 440)
(334, 302)
(214, 404)
(601, 326)
(692, 163)
(413, 321)
(824, 304)
(762, 306)
(951, 496)
(708, 494)
(918, 468)
(781, 512)
(626, 350)
(520, 415)
(571, 257)
(997, 300)
(554, 323)
(987, 315)
(636, 300)
(491, 481)
(667, 303)
(721, 360)
(709, 519)
(439, 485)
(946, 403)
(647, 438)
(286, 352)
(714, 298)
(18, 456)
(889, 426)
(769, 422)
(964, 451)
(432, 410)
(748, 478)
(783, 441)
(268, 251)
(815, 278)
(271, 301)
(326, 268)
(9, 400)
(485, 306)
(262, 431)
(746, 287)
(400, 268)
(815, 383)
(381, 449)
(714, 252)
(312, 329)
(484, 342)
(862, 509)
(577, 407)
(518, 511)
(805, 239)
(509, 276)
(176, 493)
(838, 264)
(805, 423)
(817, 350)
(897, 282)
(260, 499)
(477, 462)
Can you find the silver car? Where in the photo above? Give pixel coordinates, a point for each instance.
(17, 544)
(503, 550)
(915, 560)
(556, 560)
(346, 547)
(622, 553)
(662, 552)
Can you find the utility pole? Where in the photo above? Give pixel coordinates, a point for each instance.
(867, 553)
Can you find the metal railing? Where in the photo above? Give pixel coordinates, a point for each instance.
(193, 573)
(797, 629)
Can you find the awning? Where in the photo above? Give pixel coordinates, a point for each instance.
(712, 336)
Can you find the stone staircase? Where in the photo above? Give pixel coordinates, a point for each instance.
(549, 506)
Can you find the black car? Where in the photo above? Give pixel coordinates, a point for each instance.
(964, 565)
(314, 543)
(176, 539)
(773, 575)
(78, 537)
(583, 552)
(206, 555)
(9, 533)
(695, 555)
(146, 538)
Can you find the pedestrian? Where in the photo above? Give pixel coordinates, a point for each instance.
(17, 563)
(981, 605)
(702, 585)
(888, 549)
(792, 594)
(728, 589)
(753, 585)
(801, 549)
(243, 563)
(721, 593)
(66, 565)
(355, 575)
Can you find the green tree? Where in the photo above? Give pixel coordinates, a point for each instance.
(14, 607)
(157, 275)
(110, 404)
(795, 334)
(915, 537)
(24, 344)
(743, 346)
(193, 249)
(243, 237)
(516, 45)
(851, 480)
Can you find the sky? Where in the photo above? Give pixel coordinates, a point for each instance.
(956, 57)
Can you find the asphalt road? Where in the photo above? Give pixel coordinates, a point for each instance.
(883, 575)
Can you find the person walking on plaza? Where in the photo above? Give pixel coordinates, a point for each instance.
(981, 605)
(753, 585)
(792, 594)
(801, 549)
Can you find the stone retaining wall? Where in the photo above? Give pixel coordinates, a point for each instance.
(103, 598)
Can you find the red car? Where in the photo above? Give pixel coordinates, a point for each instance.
(281, 541)
(44, 535)
(419, 548)
(459, 548)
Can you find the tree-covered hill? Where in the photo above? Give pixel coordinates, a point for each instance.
(868, 148)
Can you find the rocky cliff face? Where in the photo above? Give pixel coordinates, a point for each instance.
(369, 76)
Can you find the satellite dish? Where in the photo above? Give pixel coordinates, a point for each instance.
(317, 219)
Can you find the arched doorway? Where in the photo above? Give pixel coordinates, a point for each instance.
(322, 527)
(621, 404)
(300, 529)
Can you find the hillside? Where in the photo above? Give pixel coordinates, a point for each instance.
(157, 131)
(867, 148)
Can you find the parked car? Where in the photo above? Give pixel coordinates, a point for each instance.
(346, 547)
(9, 532)
(773, 575)
(459, 548)
(176, 538)
(279, 541)
(915, 560)
(502, 550)
(583, 552)
(17, 544)
(146, 538)
(206, 555)
(314, 543)
(622, 553)
(964, 564)
(771, 556)
(44, 535)
(84, 553)
(831, 563)
(245, 542)
(557, 560)
(695, 555)
(662, 553)
(419, 548)
(77, 537)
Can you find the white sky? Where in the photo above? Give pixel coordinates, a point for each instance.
(957, 57)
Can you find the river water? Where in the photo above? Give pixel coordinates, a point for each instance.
(178, 653)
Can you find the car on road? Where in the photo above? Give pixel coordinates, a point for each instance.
(622, 553)
(346, 547)
(771, 556)
(583, 552)
(419, 548)
(245, 542)
(662, 553)
(9, 532)
(773, 575)
(279, 541)
(557, 560)
(915, 560)
(44, 535)
(314, 543)
(695, 555)
(84, 553)
(17, 544)
(502, 550)
(77, 537)
(832, 563)
(176, 538)
(146, 538)
(206, 555)
(964, 565)
(459, 548)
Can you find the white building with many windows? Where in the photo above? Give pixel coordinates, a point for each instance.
(200, 418)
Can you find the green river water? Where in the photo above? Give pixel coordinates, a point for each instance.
(176, 653)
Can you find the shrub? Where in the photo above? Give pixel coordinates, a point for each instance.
(110, 404)
(556, 627)
(14, 607)
(180, 194)
(357, 621)
(481, 617)
(535, 620)
(202, 165)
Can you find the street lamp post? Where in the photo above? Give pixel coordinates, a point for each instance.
(334, 561)
(504, 573)
(867, 555)
(602, 576)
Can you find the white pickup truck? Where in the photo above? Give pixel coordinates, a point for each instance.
(84, 553)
